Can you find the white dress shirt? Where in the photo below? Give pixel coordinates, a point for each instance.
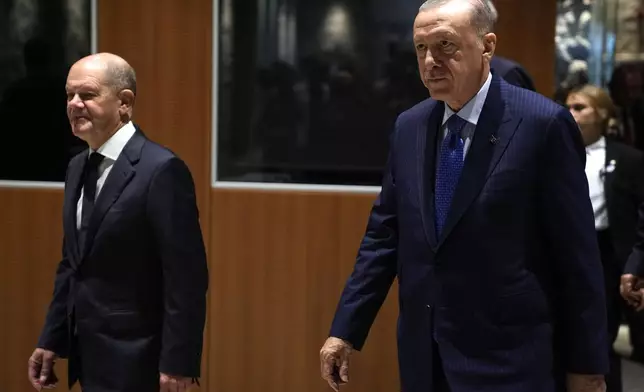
(470, 113)
(595, 172)
(111, 150)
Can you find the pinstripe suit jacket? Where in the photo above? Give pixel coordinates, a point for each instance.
(513, 288)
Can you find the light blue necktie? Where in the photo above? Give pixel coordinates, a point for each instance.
(448, 170)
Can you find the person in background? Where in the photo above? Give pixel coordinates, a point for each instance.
(626, 87)
(632, 289)
(616, 186)
(129, 302)
(577, 76)
(484, 218)
(507, 69)
(512, 72)
(632, 281)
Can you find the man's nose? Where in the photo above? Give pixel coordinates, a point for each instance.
(430, 62)
(75, 101)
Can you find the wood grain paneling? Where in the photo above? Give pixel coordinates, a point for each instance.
(30, 249)
(168, 43)
(526, 34)
(280, 263)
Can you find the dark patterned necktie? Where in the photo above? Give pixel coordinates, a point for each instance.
(448, 170)
(90, 178)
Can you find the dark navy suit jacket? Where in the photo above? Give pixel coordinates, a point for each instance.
(132, 302)
(512, 72)
(514, 287)
(635, 263)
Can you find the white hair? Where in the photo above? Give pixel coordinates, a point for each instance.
(484, 14)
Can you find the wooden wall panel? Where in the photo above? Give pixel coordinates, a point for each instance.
(30, 249)
(526, 34)
(280, 262)
(168, 43)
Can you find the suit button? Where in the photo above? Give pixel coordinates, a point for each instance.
(428, 306)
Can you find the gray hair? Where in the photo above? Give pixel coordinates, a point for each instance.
(121, 76)
(484, 14)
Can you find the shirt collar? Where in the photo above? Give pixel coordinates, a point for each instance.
(598, 145)
(113, 147)
(472, 109)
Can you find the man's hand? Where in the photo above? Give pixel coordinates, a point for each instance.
(632, 290)
(173, 383)
(41, 369)
(585, 383)
(334, 362)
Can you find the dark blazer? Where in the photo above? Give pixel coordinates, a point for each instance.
(635, 263)
(512, 72)
(514, 282)
(132, 303)
(624, 191)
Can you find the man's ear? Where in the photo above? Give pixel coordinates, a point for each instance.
(127, 101)
(489, 45)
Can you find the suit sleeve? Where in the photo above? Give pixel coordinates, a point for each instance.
(375, 267)
(630, 188)
(635, 263)
(175, 222)
(572, 248)
(54, 336)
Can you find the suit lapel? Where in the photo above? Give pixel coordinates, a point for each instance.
(72, 192)
(427, 135)
(121, 174)
(493, 132)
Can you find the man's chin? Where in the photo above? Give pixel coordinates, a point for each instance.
(438, 87)
(439, 94)
(81, 131)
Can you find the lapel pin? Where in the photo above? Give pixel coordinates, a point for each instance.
(494, 139)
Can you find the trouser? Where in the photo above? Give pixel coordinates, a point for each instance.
(440, 380)
(612, 274)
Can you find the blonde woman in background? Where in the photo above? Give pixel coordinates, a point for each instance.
(616, 185)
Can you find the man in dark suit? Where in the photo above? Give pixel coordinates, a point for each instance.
(632, 289)
(512, 72)
(485, 219)
(616, 188)
(507, 69)
(128, 308)
(632, 282)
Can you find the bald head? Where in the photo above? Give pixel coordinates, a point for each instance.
(101, 92)
(117, 73)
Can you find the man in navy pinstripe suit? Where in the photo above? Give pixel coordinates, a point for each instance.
(484, 217)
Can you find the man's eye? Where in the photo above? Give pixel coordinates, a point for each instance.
(420, 47)
(445, 44)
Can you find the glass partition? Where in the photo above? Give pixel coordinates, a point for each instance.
(40, 39)
(585, 40)
(309, 90)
